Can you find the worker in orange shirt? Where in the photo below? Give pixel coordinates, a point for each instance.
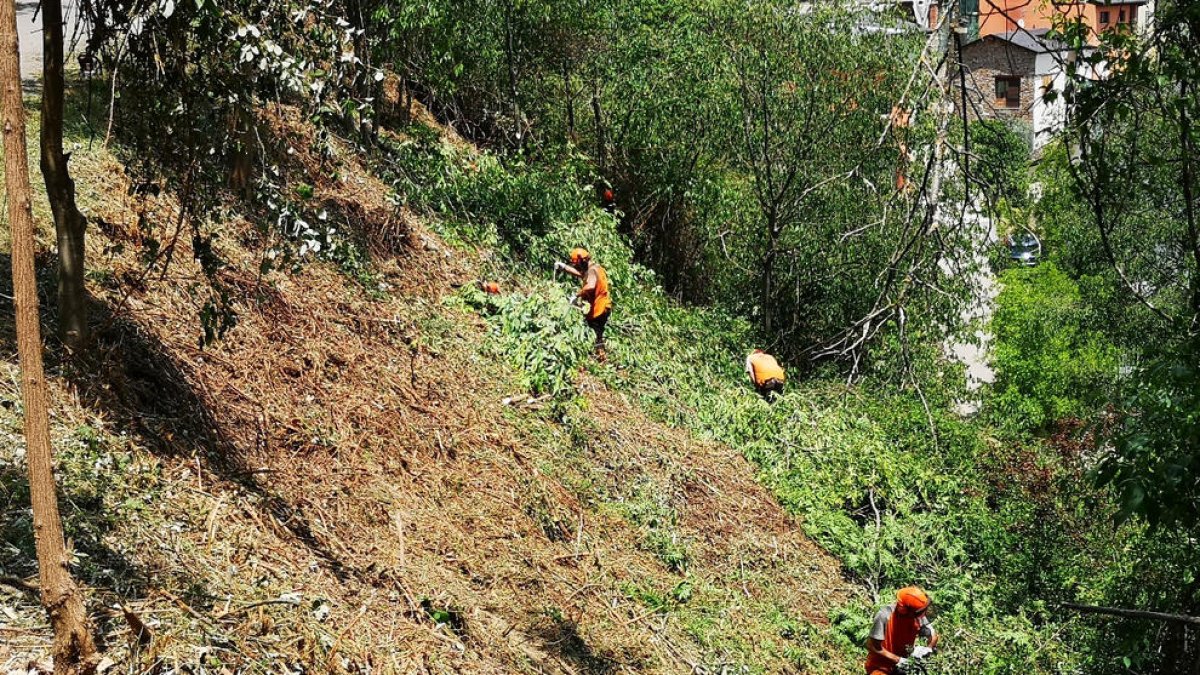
(594, 292)
(890, 646)
(765, 374)
(608, 199)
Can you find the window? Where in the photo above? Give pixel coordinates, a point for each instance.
(1008, 91)
(1121, 16)
(1104, 17)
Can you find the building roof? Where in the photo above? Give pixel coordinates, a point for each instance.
(1034, 40)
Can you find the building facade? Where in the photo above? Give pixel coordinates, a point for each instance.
(993, 17)
(1007, 77)
(1004, 16)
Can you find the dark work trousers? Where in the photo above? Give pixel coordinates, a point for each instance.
(597, 325)
(770, 389)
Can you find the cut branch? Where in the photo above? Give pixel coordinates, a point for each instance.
(1132, 613)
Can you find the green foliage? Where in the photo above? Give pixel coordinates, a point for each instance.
(899, 494)
(1155, 465)
(541, 333)
(1001, 164)
(1050, 361)
(872, 485)
(743, 142)
(660, 601)
(534, 214)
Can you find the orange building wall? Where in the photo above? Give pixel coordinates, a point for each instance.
(1000, 16)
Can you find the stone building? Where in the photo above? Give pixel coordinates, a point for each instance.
(1007, 76)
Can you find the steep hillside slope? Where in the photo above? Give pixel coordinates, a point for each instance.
(349, 482)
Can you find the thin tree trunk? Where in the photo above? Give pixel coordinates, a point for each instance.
(598, 115)
(768, 284)
(510, 52)
(74, 651)
(569, 94)
(1189, 197)
(69, 223)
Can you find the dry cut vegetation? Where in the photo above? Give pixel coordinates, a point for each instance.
(346, 483)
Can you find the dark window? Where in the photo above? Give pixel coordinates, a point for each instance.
(1121, 16)
(1104, 16)
(1008, 91)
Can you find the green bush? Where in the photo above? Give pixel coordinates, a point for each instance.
(1002, 164)
(1050, 363)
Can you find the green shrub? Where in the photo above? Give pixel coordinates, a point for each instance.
(1002, 164)
(1050, 364)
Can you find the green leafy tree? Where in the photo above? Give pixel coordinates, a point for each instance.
(1050, 362)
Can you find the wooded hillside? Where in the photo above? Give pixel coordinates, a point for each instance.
(321, 397)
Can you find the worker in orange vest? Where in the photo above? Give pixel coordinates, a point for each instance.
(594, 292)
(608, 199)
(765, 374)
(890, 646)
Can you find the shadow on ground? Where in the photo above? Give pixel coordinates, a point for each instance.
(129, 379)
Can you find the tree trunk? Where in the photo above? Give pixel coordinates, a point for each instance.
(74, 651)
(768, 275)
(598, 115)
(69, 223)
(511, 58)
(569, 94)
(1189, 197)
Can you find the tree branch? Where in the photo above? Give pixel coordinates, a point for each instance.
(1132, 613)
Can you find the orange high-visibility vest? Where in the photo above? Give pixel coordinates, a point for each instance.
(764, 367)
(901, 634)
(597, 297)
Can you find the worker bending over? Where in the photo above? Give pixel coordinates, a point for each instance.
(765, 374)
(594, 292)
(895, 631)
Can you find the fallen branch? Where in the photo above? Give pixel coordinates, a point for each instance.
(20, 585)
(1132, 613)
(294, 602)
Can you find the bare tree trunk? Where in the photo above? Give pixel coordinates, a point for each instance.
(569, 94)
(510, 52)
(1189, 197)
(598, 115)
(74, 651)
(69, 223)
(768, 275)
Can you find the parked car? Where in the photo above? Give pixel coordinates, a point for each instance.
(1024, 248)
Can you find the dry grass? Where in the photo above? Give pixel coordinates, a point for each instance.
(339, 471)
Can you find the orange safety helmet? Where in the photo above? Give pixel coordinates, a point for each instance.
(912, 599)
(579, 255)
